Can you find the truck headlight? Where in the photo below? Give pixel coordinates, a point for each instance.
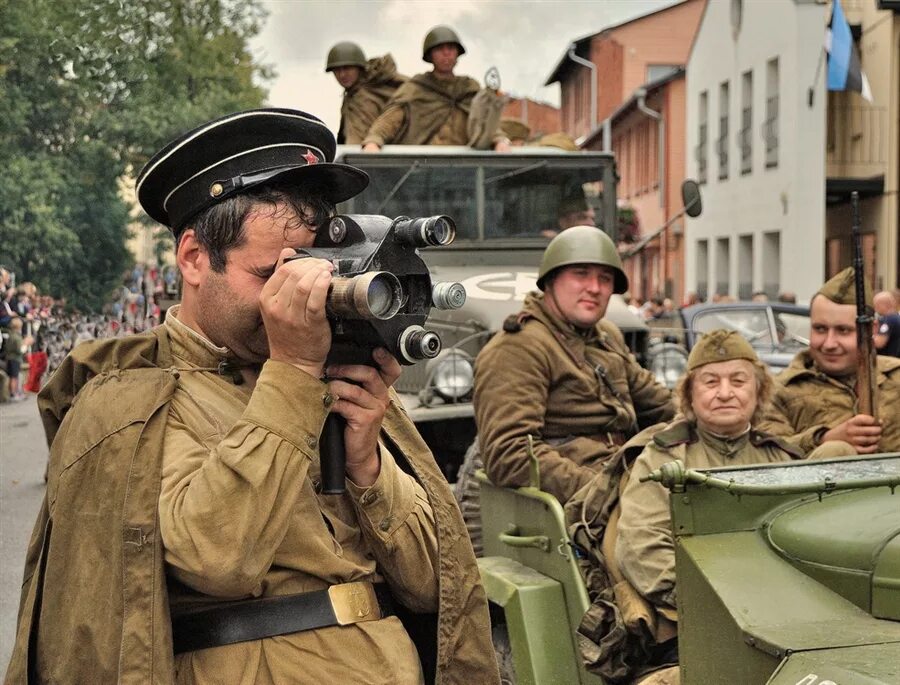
(452, 375)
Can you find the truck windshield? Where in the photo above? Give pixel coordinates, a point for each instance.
(517, 199)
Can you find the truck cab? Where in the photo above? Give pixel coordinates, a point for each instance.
(505, 206)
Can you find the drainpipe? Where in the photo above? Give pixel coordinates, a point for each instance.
(593, 67)
(661, 169)
(660, 145)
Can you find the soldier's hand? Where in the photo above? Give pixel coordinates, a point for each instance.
(371, 147)
(363, 399)
(292, 304)
(862, 431)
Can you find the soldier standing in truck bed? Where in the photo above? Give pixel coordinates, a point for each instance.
(431, 108)
(368, 86)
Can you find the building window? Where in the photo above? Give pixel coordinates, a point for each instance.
(745, 138)
(723, 266)
(703, 269)
(770, 125)
(745, 267)
(701, 151)
(722, 142)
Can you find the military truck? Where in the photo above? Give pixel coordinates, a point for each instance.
(787, 574)
(505, 209)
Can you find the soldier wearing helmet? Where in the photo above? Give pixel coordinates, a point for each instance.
(368, 86)
(562, 374)
(431, 108)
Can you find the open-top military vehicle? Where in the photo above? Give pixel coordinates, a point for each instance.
(504, 206)
(787, 574)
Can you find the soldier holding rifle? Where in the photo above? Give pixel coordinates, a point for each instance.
(838, 389)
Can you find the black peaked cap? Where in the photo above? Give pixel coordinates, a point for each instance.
(239, 151)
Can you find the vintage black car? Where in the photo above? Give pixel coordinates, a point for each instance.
(776, 330)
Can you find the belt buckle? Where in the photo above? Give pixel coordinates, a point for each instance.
(354, 603)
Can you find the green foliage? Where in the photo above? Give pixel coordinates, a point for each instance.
(89, 89)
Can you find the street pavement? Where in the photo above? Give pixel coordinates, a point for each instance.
(23, 456)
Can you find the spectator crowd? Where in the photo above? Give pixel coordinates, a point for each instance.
(37, 330)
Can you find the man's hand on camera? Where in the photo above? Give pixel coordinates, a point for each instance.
(292, 304)
(363, 403)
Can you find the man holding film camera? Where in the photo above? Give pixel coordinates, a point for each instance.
(211, 538)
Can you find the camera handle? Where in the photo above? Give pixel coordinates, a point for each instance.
(332, 457)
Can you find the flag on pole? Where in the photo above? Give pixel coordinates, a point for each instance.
(844, 69)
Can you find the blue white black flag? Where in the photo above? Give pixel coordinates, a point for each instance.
(844, 69)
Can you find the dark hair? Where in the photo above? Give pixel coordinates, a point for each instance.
(221, 227)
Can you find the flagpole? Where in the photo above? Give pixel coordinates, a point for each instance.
(811, 93)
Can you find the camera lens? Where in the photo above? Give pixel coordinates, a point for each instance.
(416, 344)
(439, 230)
(380, 298)
(372, 295)
(448, 295)
(425, 231)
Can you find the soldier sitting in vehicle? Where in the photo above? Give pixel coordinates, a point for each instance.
(816, 398)
(431, 108)
(722, 398)
(561, 374)
(368, 86)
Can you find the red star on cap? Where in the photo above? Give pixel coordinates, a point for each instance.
(311, 157)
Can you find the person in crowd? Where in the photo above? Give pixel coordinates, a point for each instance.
(817, 396)
(14, 355)
(368, 86)
(578, 391)
(787, 297)
(196, 449)
(887, 335)
(759, 296)
(431, 108)
(37, 366)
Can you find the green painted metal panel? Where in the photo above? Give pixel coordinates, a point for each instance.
(886, 582)
(535, 610)
(868, 665)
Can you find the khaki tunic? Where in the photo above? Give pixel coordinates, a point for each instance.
(538, 378)
(426, 110)
(645, 549)
(241, 515)
(367, 98)
(808, 402)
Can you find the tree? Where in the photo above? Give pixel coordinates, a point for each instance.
(90, 89)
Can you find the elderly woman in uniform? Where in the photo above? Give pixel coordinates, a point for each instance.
(722, 397)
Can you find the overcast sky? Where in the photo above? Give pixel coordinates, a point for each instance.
(524, 39)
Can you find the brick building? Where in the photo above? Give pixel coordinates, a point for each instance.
(541, 117)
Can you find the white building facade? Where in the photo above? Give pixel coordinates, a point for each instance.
(756, 142)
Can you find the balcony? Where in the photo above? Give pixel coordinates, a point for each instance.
(856, 139)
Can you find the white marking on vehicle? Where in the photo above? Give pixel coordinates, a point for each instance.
(505, 285)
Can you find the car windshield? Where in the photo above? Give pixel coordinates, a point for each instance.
(787, 331)
(515, 199)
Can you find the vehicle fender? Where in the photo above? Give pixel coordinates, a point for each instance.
(534, 607)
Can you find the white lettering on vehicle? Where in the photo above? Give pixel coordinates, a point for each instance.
(501, 286)
(813, 679)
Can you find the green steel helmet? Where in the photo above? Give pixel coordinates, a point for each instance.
(582, 245)
(345, 54)
(438, 36)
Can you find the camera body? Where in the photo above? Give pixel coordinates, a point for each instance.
(382, 291)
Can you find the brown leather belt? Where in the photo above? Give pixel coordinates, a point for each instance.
(255, 619)
(611, 438)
